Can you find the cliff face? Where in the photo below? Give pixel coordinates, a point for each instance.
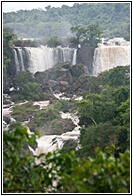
(85, 56)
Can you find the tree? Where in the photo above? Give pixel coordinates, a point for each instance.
(90, 34)
(101, 135)
(8, 58)
(121, 72)
(48, 7)
(20, 172)
(53, 41)
(32, 22)
(60, 173)
(122, 123)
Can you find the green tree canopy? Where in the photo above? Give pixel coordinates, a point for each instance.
(60, 173)
(90, 34)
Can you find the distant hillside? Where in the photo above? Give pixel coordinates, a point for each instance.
(114, 18)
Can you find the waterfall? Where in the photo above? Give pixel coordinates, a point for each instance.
(16, 60)
(74, 57)
(42, 58)
(107, 57)
(50, 143)
(21, 59)
(67, 54)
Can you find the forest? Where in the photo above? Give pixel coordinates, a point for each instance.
(100, 161)
(38, 23)
(100, 165)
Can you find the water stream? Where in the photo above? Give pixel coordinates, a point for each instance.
(49, 143)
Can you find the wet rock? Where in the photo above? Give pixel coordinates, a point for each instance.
(63, 78)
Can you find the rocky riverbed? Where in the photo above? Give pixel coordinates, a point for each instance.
(49, 141)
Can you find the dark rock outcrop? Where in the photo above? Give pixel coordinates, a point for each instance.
(85, 56)
(63, 78)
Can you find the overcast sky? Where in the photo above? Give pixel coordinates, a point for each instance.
(27, 5)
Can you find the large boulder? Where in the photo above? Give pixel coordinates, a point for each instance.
(63, 77)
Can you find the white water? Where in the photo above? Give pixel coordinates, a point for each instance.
(74, 57)
(7, 111)
(107, 57)
(50, 143)
(42, 104)
(60, 96)
(42, 58)
(21, 59)
(16, 60)
(67, 54)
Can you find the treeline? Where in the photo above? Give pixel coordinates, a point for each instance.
(104, 112)
(113, 18)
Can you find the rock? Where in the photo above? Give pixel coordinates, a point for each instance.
(76, 70)
(63, 78)
(6, 119)
(85, 56)
(64, 83)
(53, 83)
(57, 127)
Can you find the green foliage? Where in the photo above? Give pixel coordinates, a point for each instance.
(25, 43)
(7, 39)
(99, 175)
(8, 58)
(113, 18)
(29, 88)
(63, 105)
(43, 120)
(95, 109)
(53, 42)
(23, 112)
(122, 122)
(90, 34)
(58, 126)
(23, 77)
(121, 72)
(106, 107)
(69, 145)
(21, 174)
(101, 135)
(121, 94)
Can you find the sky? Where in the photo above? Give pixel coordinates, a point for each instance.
(8, 6)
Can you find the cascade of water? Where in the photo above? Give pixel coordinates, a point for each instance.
(21, 59)
(48, 56)
(67, 54)
(16, 60)
(49, 143)
(107, 57)
(74, 57)
(58, 55)
(36, 60)
(42, 58)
